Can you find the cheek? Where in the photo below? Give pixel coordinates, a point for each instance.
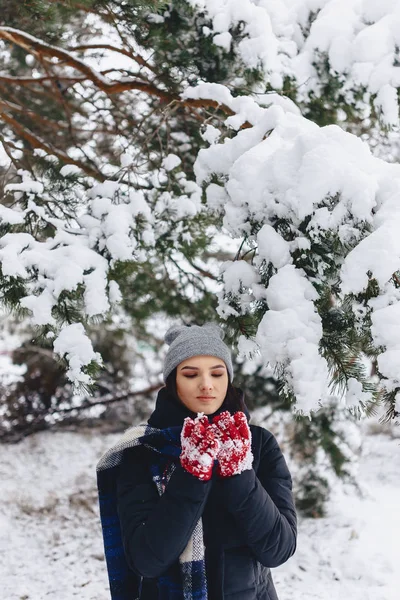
(184, 385)
(222, 382)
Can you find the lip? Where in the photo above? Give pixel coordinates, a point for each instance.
(205, 398)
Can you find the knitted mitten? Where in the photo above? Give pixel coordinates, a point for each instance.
(199, 446)
(234, 435)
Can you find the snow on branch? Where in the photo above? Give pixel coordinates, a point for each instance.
(75, 263)
(292, 39)
(321, 212)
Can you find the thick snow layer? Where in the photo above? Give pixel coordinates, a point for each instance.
(324, 183)
(289, 333)
(359, 38)
(51, 543)
(76, 257)
(171, 161)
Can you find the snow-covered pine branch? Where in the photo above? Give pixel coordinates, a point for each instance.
(355, 43)
(322, 213)
(273, 175)
(112, 223)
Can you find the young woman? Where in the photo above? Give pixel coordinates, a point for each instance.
(197, 504)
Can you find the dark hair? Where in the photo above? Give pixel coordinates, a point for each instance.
(233, 401)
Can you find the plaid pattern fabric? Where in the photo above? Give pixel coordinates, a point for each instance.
(124, 584)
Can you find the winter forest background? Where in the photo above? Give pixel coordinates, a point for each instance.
(226, 160)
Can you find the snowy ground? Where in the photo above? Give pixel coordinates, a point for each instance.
(51, 544)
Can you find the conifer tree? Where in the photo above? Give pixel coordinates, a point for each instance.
(134, 132)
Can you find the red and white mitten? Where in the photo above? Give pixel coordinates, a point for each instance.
(234, 435)
(199, 446)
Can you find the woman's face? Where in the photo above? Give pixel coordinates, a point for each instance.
(201, 383)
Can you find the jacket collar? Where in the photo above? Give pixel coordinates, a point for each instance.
(170, 412)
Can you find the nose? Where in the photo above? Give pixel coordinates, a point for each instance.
(206, 384)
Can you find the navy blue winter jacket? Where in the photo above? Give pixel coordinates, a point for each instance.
(249, 520)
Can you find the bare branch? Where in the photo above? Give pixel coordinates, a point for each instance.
(201, 270)
(12, 80)
(36, 46)
(36, 142)
(110, 399)
(56, 125)
(136, 57)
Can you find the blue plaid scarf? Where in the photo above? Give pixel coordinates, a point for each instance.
(124, 583)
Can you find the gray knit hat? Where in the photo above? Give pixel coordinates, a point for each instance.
(186, 341)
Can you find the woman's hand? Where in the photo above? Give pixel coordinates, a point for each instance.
(234, 435)
(199, 447)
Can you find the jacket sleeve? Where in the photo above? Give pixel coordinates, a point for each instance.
(263, 505)
(156, 529)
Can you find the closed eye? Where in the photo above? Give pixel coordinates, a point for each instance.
(195, 375)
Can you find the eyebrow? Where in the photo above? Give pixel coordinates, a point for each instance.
(197, 368)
